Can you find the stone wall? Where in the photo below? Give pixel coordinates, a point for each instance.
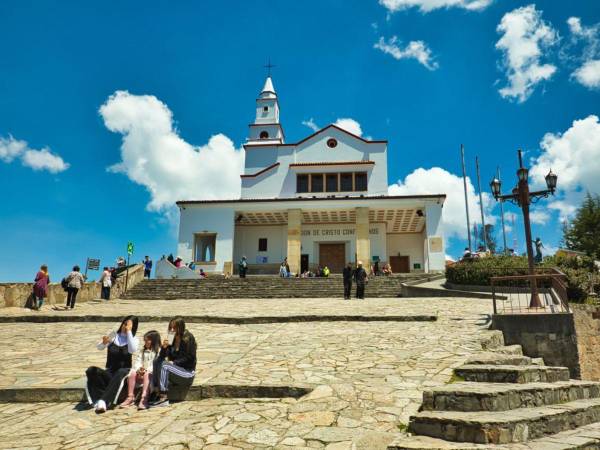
(587, 325)
(549, 336)
(15, 294)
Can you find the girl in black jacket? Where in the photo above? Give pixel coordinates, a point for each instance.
(104, 385)
(177, 359)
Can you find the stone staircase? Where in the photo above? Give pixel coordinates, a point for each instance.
(264, 286)
(502, 399)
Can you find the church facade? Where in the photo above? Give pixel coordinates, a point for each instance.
(320, 201)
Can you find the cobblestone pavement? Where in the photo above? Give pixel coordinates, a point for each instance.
(368, 376)
(271, 307)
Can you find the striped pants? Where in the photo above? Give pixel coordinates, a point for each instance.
(177, 371)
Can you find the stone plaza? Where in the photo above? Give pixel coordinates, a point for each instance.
(364, 377)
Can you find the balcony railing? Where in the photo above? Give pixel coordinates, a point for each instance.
(512, 294)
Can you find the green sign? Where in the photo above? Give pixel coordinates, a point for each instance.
(130, 248)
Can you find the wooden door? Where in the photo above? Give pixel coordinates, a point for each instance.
(400, 264)
(332, 256)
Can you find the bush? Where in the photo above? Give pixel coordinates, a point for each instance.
(479, 271)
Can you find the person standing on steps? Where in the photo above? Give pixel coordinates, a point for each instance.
(75, 281)
(243, 267)
(347, 275)
(105, 284)
(361, 279)
(147, 267)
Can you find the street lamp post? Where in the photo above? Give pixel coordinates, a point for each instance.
(522, 197)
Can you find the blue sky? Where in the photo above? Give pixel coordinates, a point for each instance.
(204, 62)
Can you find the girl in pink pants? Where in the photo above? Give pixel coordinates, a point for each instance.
(141, 373)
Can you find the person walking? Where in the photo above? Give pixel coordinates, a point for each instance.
(360, 278)
(40, 288)
(105, 284)
(75, 281)
(243, 267)
(347, 275)
(147, 267)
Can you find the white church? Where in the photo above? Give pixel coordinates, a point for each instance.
(319, 201)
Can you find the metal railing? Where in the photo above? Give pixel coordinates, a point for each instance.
(512, 294)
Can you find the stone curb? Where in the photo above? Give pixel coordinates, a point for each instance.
(196, 393)
(38, 318)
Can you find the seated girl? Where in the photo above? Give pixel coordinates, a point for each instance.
(104, 385)
(177, 359)
(141, 373)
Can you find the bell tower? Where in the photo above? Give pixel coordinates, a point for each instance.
(266, 128)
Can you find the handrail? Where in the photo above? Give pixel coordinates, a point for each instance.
(510, 293)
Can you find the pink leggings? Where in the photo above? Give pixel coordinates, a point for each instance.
(134, 379)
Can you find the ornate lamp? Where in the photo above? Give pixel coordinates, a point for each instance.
(523, 174)
(551, 179)
(496, 186)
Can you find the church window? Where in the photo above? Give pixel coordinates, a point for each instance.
(265, 108)
(262, 244)
(360, 181)
(302, 183)
(204, 247)
(316, 182)
(331, 182)
(331, 143)
(346, 182)
(264, 134)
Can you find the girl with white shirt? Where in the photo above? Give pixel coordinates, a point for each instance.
(141, 373)
(104, 385)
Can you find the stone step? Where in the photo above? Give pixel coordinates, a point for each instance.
(512, 374)
(502, 397)
(510, 349)
(518, 425)
(496, 358)
(585, 437)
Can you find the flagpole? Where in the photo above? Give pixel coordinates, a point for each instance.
(502, 215)
(462, 154)
(483, 233)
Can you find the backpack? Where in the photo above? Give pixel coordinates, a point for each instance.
(64, 284)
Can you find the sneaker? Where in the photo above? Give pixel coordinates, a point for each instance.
(100, 407)
(163, 400)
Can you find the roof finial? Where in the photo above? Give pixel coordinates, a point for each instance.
(268, 66)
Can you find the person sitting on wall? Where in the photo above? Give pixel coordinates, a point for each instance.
(170, 258)
(178, 262)
(326, 271)
(202, 273)
(376, 269)
(192, 265)
(387, 270)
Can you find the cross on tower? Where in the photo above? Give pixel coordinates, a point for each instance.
(268, 66)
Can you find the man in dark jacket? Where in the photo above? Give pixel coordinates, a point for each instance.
(360, 278)
(347, 274)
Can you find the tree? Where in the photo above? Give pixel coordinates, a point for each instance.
(490, 237)
(583, 233)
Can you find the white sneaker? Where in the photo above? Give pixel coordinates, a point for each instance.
(100, 407)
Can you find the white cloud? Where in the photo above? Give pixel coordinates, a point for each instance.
(310, 123)
(539, 216)
(429, 5)
(156, 157)
(525, 36)
(346, 123)
(589, 74)
(575, 157)
(413, 50)
(44, 159)
(586, 40)
(349, 125)
(439, 181)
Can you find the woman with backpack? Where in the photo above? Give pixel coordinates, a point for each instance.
(74, 282)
